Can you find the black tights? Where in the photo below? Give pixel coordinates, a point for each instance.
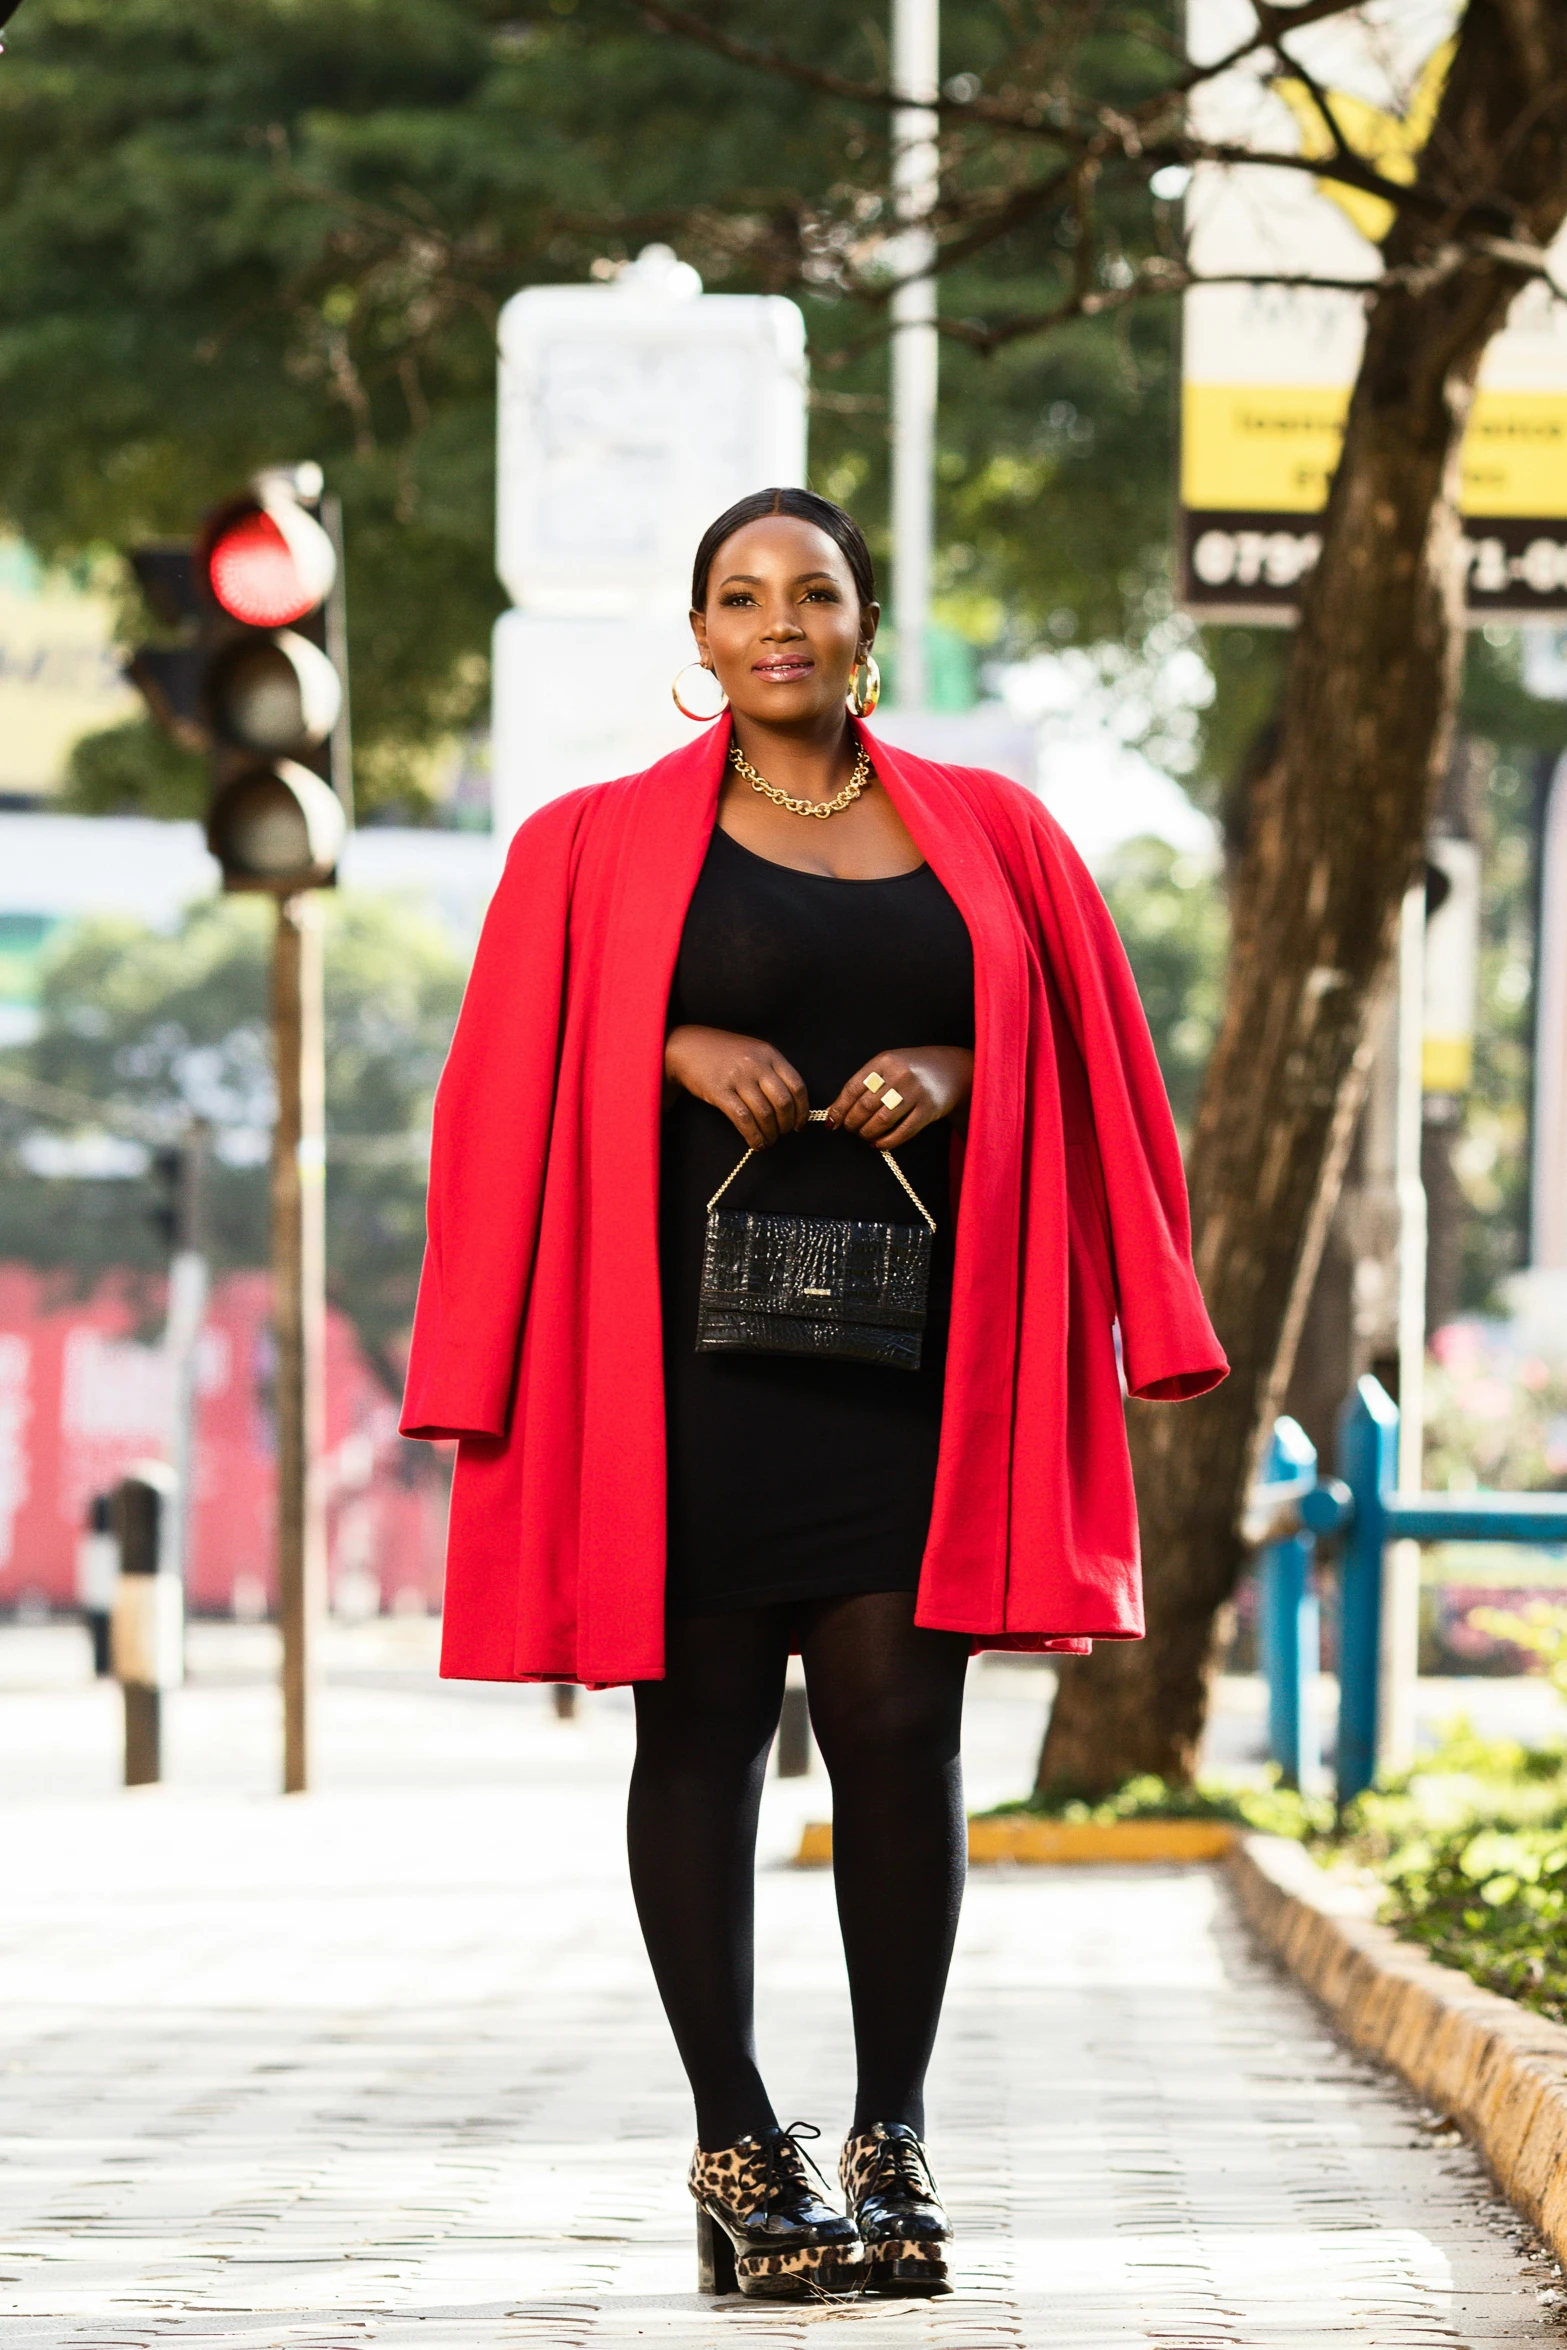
(886, 1705)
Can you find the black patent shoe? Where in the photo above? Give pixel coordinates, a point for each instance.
(892, 2200)
(761, 2227)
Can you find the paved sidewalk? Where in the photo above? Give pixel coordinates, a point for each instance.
(383, 2066)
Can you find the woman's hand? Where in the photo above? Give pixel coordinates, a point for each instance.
(759, 1093)
(930, 1080)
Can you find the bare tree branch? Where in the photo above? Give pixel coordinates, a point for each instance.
(1037, 117)
(1160, 275)
(1320, 99)
(1114, 132)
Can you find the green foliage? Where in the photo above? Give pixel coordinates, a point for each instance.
(176, 1026)
(1472, 1849)
(1540, 1630)
(1247, 666)
(1171, 914)
(1269, 1810)
(1470, 1846)
(1493, 1903)
(135, 766)
(1495, 1416)
(1498, 706)
(268, 232)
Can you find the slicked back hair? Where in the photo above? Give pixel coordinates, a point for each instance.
(805, 506)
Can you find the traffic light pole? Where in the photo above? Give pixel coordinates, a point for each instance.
(259, 679)
(299, 1310)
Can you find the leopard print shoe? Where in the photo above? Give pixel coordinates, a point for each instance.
(761, 2227)
(893, 2201)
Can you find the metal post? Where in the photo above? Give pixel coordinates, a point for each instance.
(1367, 1457)
(187, 1306)
(1288, 1623)
(299, 1308)
(146, 1633)
(916, 69)
(1399, 1657)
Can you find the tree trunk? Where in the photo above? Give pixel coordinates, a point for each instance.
(1334, 837)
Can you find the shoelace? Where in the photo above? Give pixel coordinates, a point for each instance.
(788, 2169)
(901, 2163)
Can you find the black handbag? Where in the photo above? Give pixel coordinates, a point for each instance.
(812, 1285)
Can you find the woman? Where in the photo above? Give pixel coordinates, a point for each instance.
(896, 983)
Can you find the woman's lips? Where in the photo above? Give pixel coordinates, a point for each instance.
(783, 672)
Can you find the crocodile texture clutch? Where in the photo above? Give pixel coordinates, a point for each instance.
(812, 1285)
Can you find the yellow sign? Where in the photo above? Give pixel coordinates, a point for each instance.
(1273, 447)
(1274, 327)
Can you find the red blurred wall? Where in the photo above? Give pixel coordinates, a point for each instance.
(82, 1395)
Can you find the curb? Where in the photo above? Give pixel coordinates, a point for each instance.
(1498, 2070)
(1044, 1843)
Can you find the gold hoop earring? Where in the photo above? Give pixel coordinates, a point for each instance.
(697, 717)
(864, 686)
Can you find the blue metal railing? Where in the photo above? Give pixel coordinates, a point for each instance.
(1361, 1510)
(1289, 1631)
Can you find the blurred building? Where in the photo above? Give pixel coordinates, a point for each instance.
(60, 673)
(83, 1395)
(56, 869)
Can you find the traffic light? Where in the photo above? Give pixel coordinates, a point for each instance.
(259, 677)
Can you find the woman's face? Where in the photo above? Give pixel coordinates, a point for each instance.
(784, 625)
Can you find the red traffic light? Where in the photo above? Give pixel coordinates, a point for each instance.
(269, 565)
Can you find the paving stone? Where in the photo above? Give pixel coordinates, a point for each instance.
(383, 2066)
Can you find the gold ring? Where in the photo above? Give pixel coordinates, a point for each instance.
(891, 1098)
(874, 1083)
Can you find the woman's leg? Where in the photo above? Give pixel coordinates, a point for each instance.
(703, 1735)
(887, 1709)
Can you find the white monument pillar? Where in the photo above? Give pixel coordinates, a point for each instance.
(916, 67)
(631, 414)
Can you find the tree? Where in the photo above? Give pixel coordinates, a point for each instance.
(266, 231)
(1335, 832)
(174, 1027)
(1170, 913)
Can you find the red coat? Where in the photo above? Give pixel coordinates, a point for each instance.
(537, 1341)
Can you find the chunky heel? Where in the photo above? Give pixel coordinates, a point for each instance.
(761, 2227)
(715, 2256)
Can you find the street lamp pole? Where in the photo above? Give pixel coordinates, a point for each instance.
(299, 1311)
(1399, 1661)
(916, 68)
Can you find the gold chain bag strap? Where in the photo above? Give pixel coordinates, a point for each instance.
(815, 1285)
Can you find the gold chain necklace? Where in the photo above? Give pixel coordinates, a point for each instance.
(859, 777)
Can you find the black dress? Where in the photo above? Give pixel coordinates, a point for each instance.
(788, 1478)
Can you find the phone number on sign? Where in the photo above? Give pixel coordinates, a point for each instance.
(1279, 559)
